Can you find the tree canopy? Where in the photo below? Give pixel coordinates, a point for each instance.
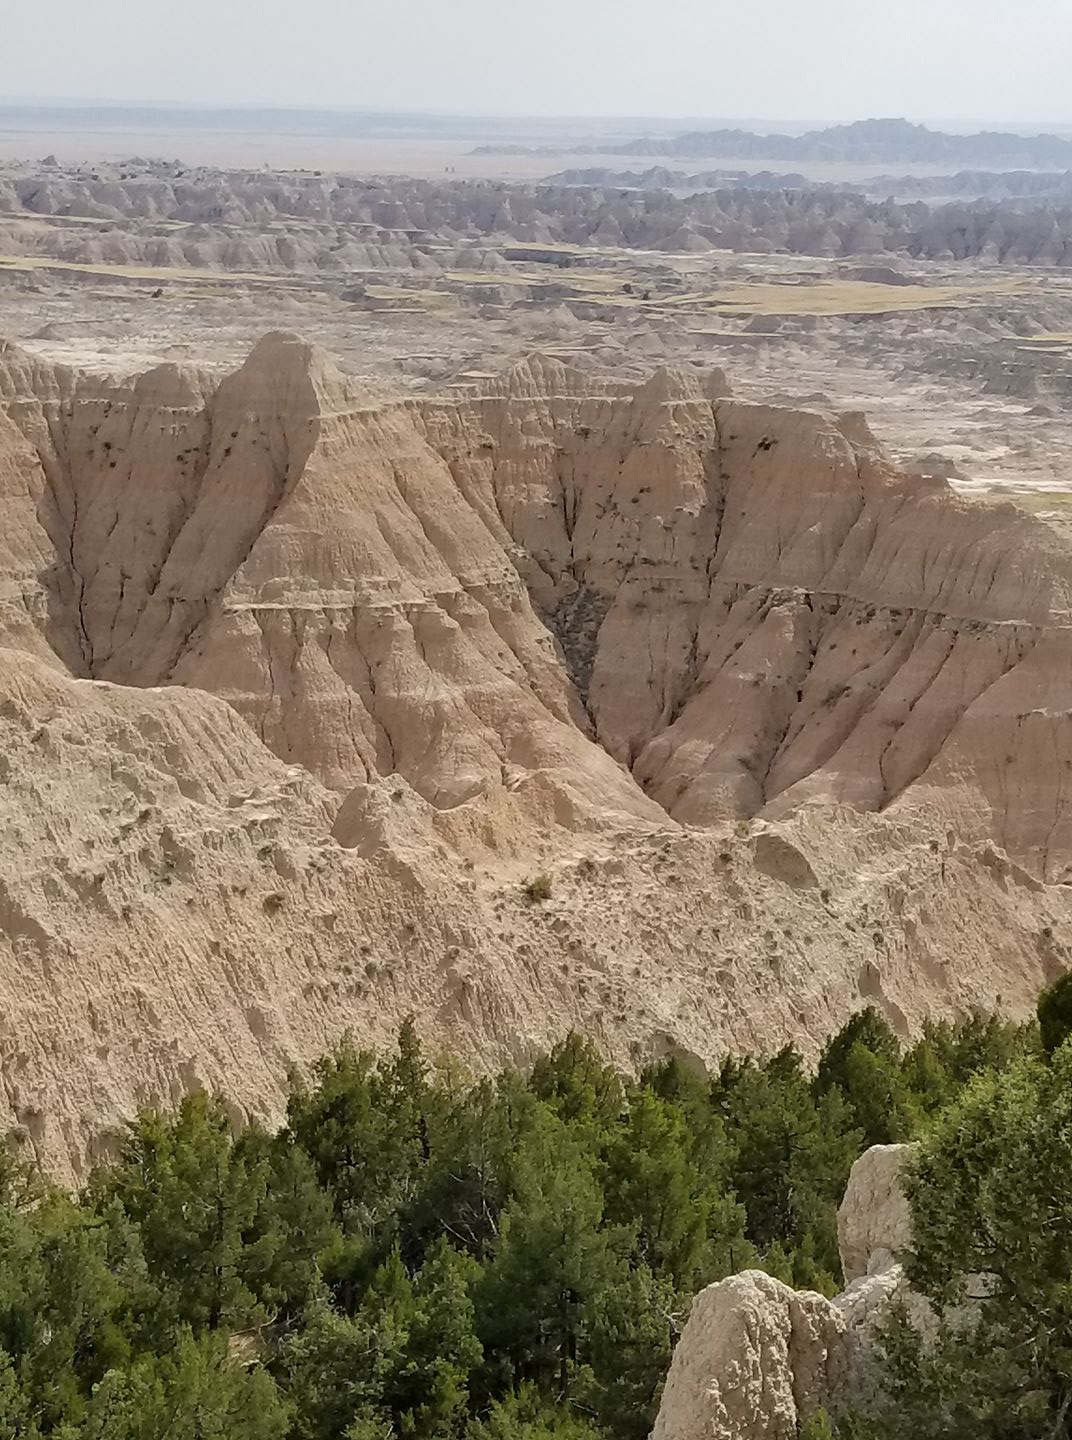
(420, 1256)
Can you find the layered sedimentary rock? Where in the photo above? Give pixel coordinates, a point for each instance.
(298, 688)
(752, 608)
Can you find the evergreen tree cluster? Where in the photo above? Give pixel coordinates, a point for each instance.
(991, 1197)
(419, 1256)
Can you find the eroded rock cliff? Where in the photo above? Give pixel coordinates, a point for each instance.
(250, 222)
(299, 687)
(753, 607)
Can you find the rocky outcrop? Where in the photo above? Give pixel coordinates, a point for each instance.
(753, 1355)
(299, 687)
(1055, 186)
(874, 1219)
(757, 1358)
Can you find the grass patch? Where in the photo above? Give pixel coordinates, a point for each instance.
(1037, 501)
(840, 297)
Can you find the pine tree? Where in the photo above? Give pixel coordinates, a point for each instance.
(401, 1363)
(473, 1140)
(17, 1418)
(686, 1227)
(430, 1391)
(863, 1060)
(294, 1227)
(196, 1392)
(927, 1077)
(192, 1195)
(365, 1127)
(337, 1369)
(1055, 1013)
(526, 1415)
(578, 1084)
(632, 1328)
(793, 1159)
(991, 1195)
(80, 1300)
(551, 1260)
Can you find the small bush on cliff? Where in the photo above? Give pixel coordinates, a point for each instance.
(538, 889)
(817, 1427)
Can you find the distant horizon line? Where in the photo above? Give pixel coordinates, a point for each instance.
(96, 103)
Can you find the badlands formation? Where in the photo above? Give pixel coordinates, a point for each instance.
(166, 215)
(819, 293)
(302, 689)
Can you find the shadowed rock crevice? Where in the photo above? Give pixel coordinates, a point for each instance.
(575, 623)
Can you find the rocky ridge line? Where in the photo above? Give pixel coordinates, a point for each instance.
(335, 226)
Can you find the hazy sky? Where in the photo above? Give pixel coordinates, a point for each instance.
(791, 59)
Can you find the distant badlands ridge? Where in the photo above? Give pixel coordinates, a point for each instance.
(167, 216)
(865, 142)
(298, 689)
(1028, 186)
